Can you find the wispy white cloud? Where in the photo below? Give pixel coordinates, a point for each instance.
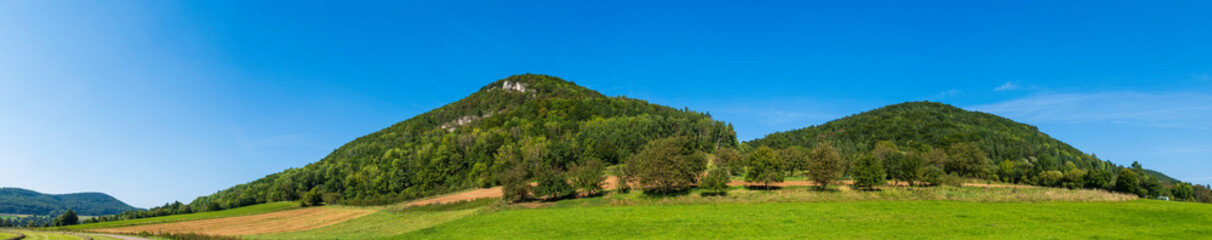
(945, 94)
(1007, 87)
(1171, 110)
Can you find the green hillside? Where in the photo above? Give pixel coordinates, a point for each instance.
(1000, 149)
(454, 147)
(929, 125)
(22, 201)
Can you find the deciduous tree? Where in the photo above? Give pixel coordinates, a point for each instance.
(967, 159)
(728, 159)
(794, 158)
(1127, 182)
(868, 172)
(1098, 179)
(1051, 178)
(764, 167)
(825, 166)
(1183, 191)
(667, 165)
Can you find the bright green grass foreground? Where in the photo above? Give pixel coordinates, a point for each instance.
(249, 210)
(841, 220)
(4, 235)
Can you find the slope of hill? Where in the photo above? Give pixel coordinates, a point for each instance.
(23, 201)
(551, 122)
(1011, 147)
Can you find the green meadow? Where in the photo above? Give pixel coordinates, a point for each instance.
(1139, 219)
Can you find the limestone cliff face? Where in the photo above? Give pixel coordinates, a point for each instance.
(511, 86)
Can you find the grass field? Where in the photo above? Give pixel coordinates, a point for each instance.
(32, 235)
(4, 235)
(12, 216)
(789, 213)
(841, 220)
(99, 237)
(243, 211)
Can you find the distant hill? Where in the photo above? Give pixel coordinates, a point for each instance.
(922, 126)
(458, 146)
(22, 201)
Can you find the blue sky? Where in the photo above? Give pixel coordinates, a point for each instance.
(156, 101)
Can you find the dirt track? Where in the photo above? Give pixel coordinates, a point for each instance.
(275, 222)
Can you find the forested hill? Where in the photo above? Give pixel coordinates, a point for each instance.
(1014, 151)
(22, 201)
(464, 144)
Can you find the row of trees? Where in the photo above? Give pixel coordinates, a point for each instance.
(667, 166)
(66, 219)
(673, 165)
(26, 221)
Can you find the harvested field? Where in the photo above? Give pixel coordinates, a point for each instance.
(276, 222)
(459, 197)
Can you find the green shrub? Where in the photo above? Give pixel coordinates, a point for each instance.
(716, 182)
(951, 179)
(764, 167)
(588, 176)
(868, 172)
(667, 165)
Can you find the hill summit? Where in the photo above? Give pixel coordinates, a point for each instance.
(1015, 152)
(543, 120)
(24, 201)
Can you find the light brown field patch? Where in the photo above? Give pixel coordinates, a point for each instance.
(459, 197)
(275, 222)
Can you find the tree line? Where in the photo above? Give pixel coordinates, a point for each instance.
(68, 217)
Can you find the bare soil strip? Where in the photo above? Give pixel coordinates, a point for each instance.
(275, 222)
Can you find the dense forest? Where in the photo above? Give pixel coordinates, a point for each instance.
(970, 144)
(27, 202)
(455, 147)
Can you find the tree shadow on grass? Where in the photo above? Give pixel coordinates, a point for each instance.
(661, 194)
(763, 187)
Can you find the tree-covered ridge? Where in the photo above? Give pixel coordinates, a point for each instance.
(927, 125)
(551, 121)
(915, 137)
(22, 201)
